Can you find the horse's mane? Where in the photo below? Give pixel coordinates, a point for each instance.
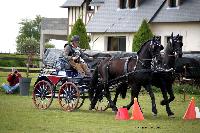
(143, 46)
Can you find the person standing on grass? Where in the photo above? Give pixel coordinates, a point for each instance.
(13, 82)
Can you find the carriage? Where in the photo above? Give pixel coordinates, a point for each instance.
(64, 83)
(191, 75)
(188, 71)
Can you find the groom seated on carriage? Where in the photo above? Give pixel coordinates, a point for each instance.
(74, 55)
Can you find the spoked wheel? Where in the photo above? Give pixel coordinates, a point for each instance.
(42, 94)
(81, 100)
(68, 96)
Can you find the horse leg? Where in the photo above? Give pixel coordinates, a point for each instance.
(134, 94)
(95, 99)
(170, 92)
(108, 96)
(121, 89)
(151, 94)
(116, 95)
(164, 92)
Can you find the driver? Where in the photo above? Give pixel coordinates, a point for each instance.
(75, 56)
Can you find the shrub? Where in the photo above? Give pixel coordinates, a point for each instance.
(79, 29)
(144, 33)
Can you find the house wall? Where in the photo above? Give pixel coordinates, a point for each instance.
(102, 41)
(190, 32)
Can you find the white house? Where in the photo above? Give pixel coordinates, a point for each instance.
(113, 26)
(79, 8)
(113, 23)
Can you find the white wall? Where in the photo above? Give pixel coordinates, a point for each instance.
(189, 31)
(102, 41)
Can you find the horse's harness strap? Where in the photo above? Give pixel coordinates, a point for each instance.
(126, 65)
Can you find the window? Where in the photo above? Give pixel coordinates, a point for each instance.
(123, 4)
(89, 8)
(172, 3)
(132, 3)
(117, 43)
(167, 38)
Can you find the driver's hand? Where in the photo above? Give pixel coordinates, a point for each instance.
(74, 58)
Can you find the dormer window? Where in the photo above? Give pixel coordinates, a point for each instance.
(132, 3)
(124, 4)
(174, 3)
(89, 8)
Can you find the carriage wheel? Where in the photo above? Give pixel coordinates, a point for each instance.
(68, 96)
(81, 100)
(197, 83)
(42, 94)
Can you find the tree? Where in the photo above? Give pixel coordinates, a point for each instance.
(49, 45)
(30, 48)
(141, 36)
(79, 29)
(28, 29)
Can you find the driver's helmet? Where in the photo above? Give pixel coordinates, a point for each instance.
(75, 38)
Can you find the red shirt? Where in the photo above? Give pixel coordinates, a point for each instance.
(13, 80)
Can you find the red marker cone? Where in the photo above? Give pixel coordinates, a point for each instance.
(122, 114)
(190, 113)
(136, 112)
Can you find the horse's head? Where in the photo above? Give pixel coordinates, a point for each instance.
(175, 45)
(151, 48)
(149, 51)
(155, 47)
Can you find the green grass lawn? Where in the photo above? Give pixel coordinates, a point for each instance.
(18, 115)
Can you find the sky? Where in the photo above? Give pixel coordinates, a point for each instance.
(13, 11)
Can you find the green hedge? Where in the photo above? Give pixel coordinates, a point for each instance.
(15, 60)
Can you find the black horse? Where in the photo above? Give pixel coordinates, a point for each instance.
(164, 76)
(133, 71)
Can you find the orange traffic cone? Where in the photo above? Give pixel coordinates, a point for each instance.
(190, 112)
(122, 114)
(136, 112)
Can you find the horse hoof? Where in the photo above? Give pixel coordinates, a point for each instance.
(91, 108)
(171, 116)
(154, 114)
(126, 107)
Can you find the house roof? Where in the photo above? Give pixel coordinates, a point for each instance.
(72, 3)
(110, 18)
(54, 24)
(188, 11)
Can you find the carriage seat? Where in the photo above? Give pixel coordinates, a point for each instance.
(62, 65)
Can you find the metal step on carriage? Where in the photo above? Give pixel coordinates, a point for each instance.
(191, 75)
(64, 83)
